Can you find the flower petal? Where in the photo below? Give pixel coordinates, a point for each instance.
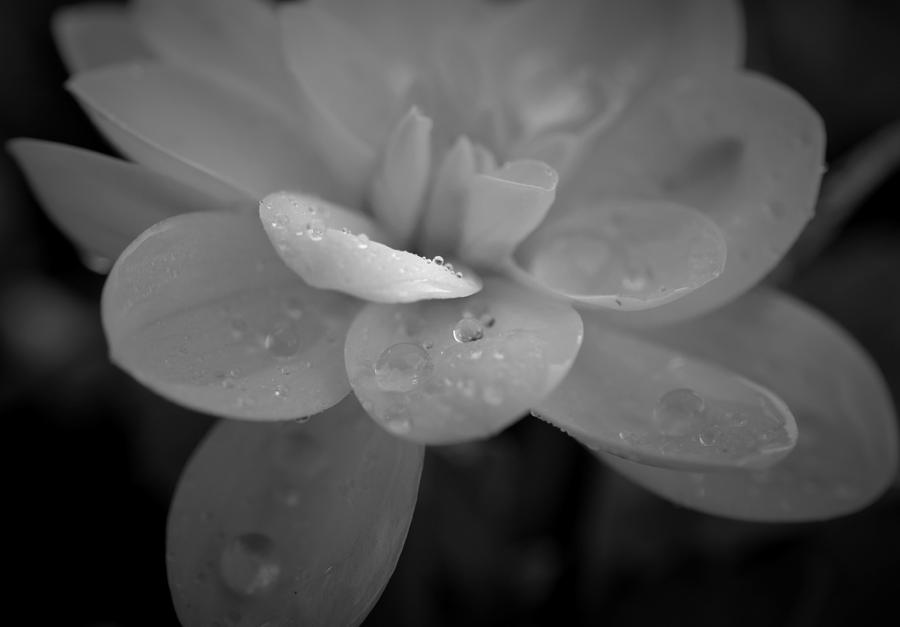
(662, 407)
(503, 207)
(228, 39)
(200, 309)
(555, 69)
(293, 524)
(199, 132)
(623, 254)
(339, 70)
(443, 217)
(399, 185)
(336, 249)
(95, 35)
(846, 455)
(743, 149)
(99, 202)
(442, 372)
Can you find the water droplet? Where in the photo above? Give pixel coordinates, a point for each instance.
(708, 437)
(678, 411)
(362, 240)
(468, 330)
(438, 260)
(398, 426)
(279, 391)
(283, 340)
(401, 367)
(248, 565)
(316, 230)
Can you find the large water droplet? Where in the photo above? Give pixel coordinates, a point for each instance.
(679, 412)
(248, 564)
(468, 330)
(283, 340)
(401, 367)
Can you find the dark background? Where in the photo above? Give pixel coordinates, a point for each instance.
(525, 529)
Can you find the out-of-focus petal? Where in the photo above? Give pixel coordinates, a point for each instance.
(199, 132)
(620, 254)
(341, 72)
(102, 203)
(503, 207)
(336, 249)
(235, 40)
(95, 35)
(200, 309)
(662, 407)
(743, 149)
(399, 185)
(443, 218)
(846, 455)
(290, 524)
(554, 68)
(450, 371)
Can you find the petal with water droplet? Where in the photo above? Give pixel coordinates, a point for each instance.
(451, 371)
(325, 248)
(846, 454)
(399, 184)
(201, 310)
(743, 149)
(290, 524)
(199, 132)
(99, 202)
(95, 35)
(657, 406)
(503, 207)
(623, 254)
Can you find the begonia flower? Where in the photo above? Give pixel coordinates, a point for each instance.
(358, 228)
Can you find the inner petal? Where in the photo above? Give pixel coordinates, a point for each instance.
(333, 248)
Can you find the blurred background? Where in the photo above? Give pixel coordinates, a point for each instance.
(526, 529)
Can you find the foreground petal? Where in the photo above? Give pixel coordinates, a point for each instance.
(336, 249)
(623, 254)
(199, 132)
(743, 149)
(99, 202)
(450, 371)
(201, 310)
(95, 35)
(503, 207)
(290, 524)
(658, 406)
(846, 455)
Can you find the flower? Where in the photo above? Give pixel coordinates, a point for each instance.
(585, 170)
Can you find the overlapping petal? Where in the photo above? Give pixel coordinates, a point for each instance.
(201, 309)
(290, 524)
(199, 132)
(846, 454)
(336, 249)
(746, 151)
(647, 403)
(95, 35)
(100, 202)
(449, 371)
(623, 254)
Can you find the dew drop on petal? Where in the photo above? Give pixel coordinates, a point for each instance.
(248, 564)
(468, 330)
(283, 339)
(439, 261)
(401, 367)
(315, 230)
(362, 241)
